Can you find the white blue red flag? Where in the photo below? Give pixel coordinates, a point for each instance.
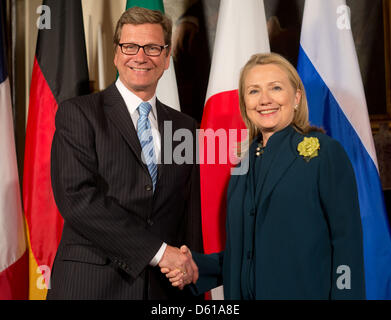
(328, 66)
(13, 249)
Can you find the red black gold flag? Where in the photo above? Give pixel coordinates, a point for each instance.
(60, 72)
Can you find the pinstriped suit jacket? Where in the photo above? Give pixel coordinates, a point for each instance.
(113, 222)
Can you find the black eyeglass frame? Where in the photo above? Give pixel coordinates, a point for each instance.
(143, 47)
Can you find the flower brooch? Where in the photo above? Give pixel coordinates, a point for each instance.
(308, 148)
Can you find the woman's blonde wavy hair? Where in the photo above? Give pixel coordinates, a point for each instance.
(300, 120)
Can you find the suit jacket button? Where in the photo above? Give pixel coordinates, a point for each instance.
(148, 187)
(150, 222)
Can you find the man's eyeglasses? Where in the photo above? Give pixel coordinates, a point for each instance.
(132, 49)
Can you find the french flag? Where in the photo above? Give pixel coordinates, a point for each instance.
(14, 282)
(328, 66)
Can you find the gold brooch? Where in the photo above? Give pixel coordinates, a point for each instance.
(308, 148)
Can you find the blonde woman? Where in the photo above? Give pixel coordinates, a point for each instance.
(293, 220)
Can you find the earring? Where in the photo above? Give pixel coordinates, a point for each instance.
(296, 106)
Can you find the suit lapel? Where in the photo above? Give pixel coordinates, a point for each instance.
(118, 113)
(162, 116)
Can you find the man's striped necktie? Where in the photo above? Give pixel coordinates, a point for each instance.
(144, 133)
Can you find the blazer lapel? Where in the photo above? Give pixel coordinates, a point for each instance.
(275, 164)
(117, 111)
(250, 177)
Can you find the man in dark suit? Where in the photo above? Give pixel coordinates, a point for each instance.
(124, 213)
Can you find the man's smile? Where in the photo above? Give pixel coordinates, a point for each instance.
(140, 69)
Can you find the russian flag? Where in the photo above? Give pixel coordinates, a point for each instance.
(328, 66)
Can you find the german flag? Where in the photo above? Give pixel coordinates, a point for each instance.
(60, 72)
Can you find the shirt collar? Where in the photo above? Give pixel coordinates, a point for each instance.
(132, 101)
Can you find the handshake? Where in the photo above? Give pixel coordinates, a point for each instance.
(179, 266)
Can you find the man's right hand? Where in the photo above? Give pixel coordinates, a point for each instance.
(179, 264)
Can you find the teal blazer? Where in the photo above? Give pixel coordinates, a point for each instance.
(293, 226)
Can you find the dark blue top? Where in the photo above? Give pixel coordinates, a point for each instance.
(306, 226)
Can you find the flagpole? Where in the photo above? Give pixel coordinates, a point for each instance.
(101, 67)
